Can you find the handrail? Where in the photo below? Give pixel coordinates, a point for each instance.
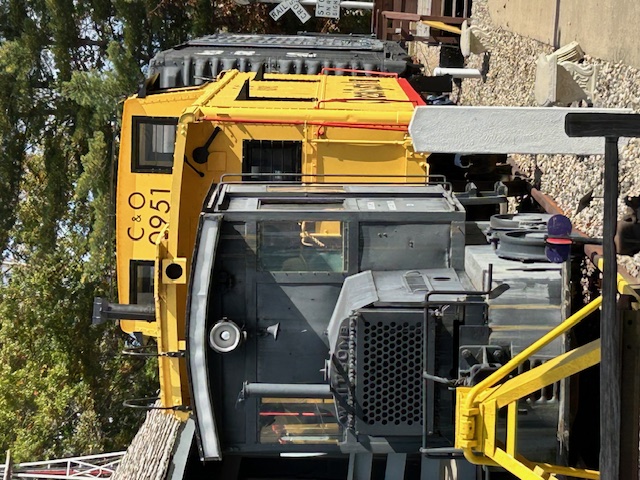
(355, 70)
(476, 417)
(519, 359)
(397, 127)
(319, 179)
(364, 99)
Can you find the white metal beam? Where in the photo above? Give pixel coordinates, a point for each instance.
(530, 130)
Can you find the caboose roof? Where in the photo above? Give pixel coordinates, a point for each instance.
(277, 94)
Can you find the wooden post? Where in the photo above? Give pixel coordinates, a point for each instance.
(610, 126)
(609, 324)
(8, 467)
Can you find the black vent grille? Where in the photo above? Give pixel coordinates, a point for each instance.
(389, 385)
(415, 281)
(272, 156)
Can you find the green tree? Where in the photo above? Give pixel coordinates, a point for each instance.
(65, 66)
(62, 381)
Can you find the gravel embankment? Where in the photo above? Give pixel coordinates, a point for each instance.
(510, 82)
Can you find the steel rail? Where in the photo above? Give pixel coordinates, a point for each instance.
(593, 252)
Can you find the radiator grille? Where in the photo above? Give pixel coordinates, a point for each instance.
(202, 59)
(389, 388)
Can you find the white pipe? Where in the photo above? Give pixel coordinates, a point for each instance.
(458, 72)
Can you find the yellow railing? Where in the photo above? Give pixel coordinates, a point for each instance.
(477, 407)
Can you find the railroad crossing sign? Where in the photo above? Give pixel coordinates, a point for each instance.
(295, 7)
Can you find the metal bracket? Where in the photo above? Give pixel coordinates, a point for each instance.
(141, 352)
(143, 404)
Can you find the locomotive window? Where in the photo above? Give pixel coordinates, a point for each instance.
(141, 274)
(282, 158)
(301, 246)
(153, 144)
(290, 421)
(297, 204)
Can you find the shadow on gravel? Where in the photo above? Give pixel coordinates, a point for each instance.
(486, 64)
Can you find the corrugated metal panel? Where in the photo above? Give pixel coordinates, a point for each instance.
(201, 60)
(328, 42)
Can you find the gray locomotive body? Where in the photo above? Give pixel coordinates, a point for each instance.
(201, 60)
(331, 323)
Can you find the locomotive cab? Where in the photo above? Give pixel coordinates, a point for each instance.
(330, 322)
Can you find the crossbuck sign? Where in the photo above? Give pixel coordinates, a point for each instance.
(295, 7)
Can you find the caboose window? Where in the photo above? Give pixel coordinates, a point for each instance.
(141, 282)
(272, 156)
(301, 246)
(153, 144)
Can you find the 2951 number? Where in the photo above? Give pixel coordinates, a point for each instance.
(157, 209)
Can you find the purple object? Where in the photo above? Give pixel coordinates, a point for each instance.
(557, 253)
(559, 226)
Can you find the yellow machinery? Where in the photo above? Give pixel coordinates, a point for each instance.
(478, 407)
(176, 143)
